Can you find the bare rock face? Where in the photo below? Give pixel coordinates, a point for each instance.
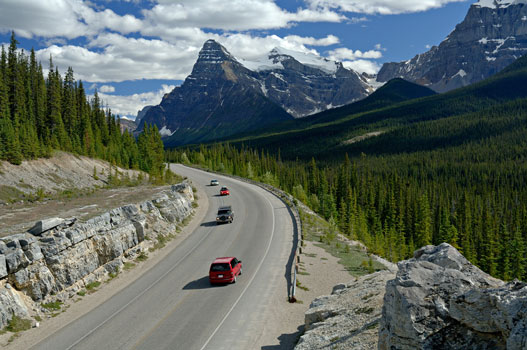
(348, 318)
(439, 300)
(59, 259)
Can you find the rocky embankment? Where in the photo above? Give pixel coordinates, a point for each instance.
(348, 318)
(437, 300)
(61, 257)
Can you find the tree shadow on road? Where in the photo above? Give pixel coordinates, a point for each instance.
(287, 341)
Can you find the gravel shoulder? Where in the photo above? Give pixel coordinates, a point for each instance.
(320, 271)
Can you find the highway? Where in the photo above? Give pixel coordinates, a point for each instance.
(173, 306)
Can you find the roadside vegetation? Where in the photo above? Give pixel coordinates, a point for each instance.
(39, 115)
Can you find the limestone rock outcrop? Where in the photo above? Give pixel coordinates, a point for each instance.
(65, 256)
(439, 300)
(349, 317)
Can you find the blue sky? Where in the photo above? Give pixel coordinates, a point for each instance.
(135, 51)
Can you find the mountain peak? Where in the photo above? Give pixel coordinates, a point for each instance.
(213, 52)
(492, 36)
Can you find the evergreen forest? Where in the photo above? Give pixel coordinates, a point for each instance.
(41, 114)
(445, 168)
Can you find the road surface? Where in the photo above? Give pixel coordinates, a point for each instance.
(172, 305)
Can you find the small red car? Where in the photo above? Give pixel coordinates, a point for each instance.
(224, 191)
(225, 270)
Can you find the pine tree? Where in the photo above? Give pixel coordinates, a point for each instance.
(423, 223)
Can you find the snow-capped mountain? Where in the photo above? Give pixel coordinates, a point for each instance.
(224, 95)
(492, 36)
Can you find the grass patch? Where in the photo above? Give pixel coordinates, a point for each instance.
(299, 285)
(112, 275)
(10, 194)
(81, 293)
(18, 324)
(311, 255)
(141, 257)
(53, 306)
(128, 266)
(303, 273)
(37, 318)
(162, 241)
(354, 260)
(92, 286)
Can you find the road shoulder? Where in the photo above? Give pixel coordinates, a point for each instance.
(77, 307)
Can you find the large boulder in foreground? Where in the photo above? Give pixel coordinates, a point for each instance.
(439, 300)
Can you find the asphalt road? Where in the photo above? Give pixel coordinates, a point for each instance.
(172, 305)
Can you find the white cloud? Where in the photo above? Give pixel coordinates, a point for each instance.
(383, 7)
(363, 66)
(327, 41)
(107, 89)
(428, 46)
(379, 47)
(130, 105)
(123, 59)
(61, 18)
(357, 60)
(236, 15)
(356, 20)
(343, 53)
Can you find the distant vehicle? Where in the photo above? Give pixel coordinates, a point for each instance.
(225, 215)
(214, 182)
(225, 270)
(224, 191)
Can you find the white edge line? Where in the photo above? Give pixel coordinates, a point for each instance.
(248, 284)
(140, 294)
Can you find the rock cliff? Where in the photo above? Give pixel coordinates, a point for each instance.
(439, 300)
(349, 317)
(60, 257)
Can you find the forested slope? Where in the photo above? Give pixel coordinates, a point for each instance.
(40, 114)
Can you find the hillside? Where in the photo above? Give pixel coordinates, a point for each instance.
(64, 186)
(497, 94)
(393, 92)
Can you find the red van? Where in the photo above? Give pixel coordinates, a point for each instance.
(225, 270)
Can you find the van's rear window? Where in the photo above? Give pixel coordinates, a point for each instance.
(220, 267)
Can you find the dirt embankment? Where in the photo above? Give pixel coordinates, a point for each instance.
(64, 186)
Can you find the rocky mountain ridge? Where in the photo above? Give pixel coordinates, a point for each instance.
(492, 36)
(224, 95)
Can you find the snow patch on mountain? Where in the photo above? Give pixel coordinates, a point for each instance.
(460, 73)
(494, 4)
(273, 60)
(165, 131)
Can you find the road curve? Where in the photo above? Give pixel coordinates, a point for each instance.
(172, 305)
